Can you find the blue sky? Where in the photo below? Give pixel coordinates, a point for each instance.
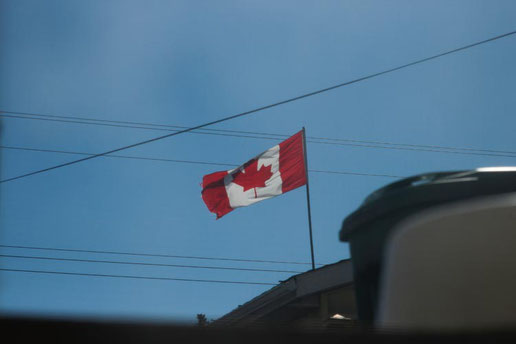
(189, 62)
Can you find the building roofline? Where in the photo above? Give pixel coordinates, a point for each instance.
(296, 286)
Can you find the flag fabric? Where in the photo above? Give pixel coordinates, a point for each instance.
(272, 173)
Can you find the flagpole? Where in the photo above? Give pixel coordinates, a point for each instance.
(308, 201)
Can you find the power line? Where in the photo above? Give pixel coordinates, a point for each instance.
(440, 150)
(264, 136)
(145, 264)
(246, 113)
(118, 156)
(188, 161)
(140, 254)
(149, 126)
(135, 277)
(358, 174)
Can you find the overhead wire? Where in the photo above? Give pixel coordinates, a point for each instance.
(144, 264)
(249, 112)
(263, 135)
(144, 254)
(135, 277)
(188, 161)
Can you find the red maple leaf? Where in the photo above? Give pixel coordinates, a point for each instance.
(250, 177)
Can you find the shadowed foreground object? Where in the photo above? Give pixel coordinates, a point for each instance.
(436, 251)
(131, 332)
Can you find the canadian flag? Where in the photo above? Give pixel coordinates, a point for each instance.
(272, 173)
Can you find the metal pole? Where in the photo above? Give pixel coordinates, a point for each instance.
(308, 201)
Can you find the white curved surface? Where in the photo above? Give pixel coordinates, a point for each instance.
(452, 268)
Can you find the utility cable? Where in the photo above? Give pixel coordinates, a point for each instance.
(140, 254)
(277, 137)
(246, 113)
(135, 277)
(145, 264)
(189, 161)
(268, 136)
